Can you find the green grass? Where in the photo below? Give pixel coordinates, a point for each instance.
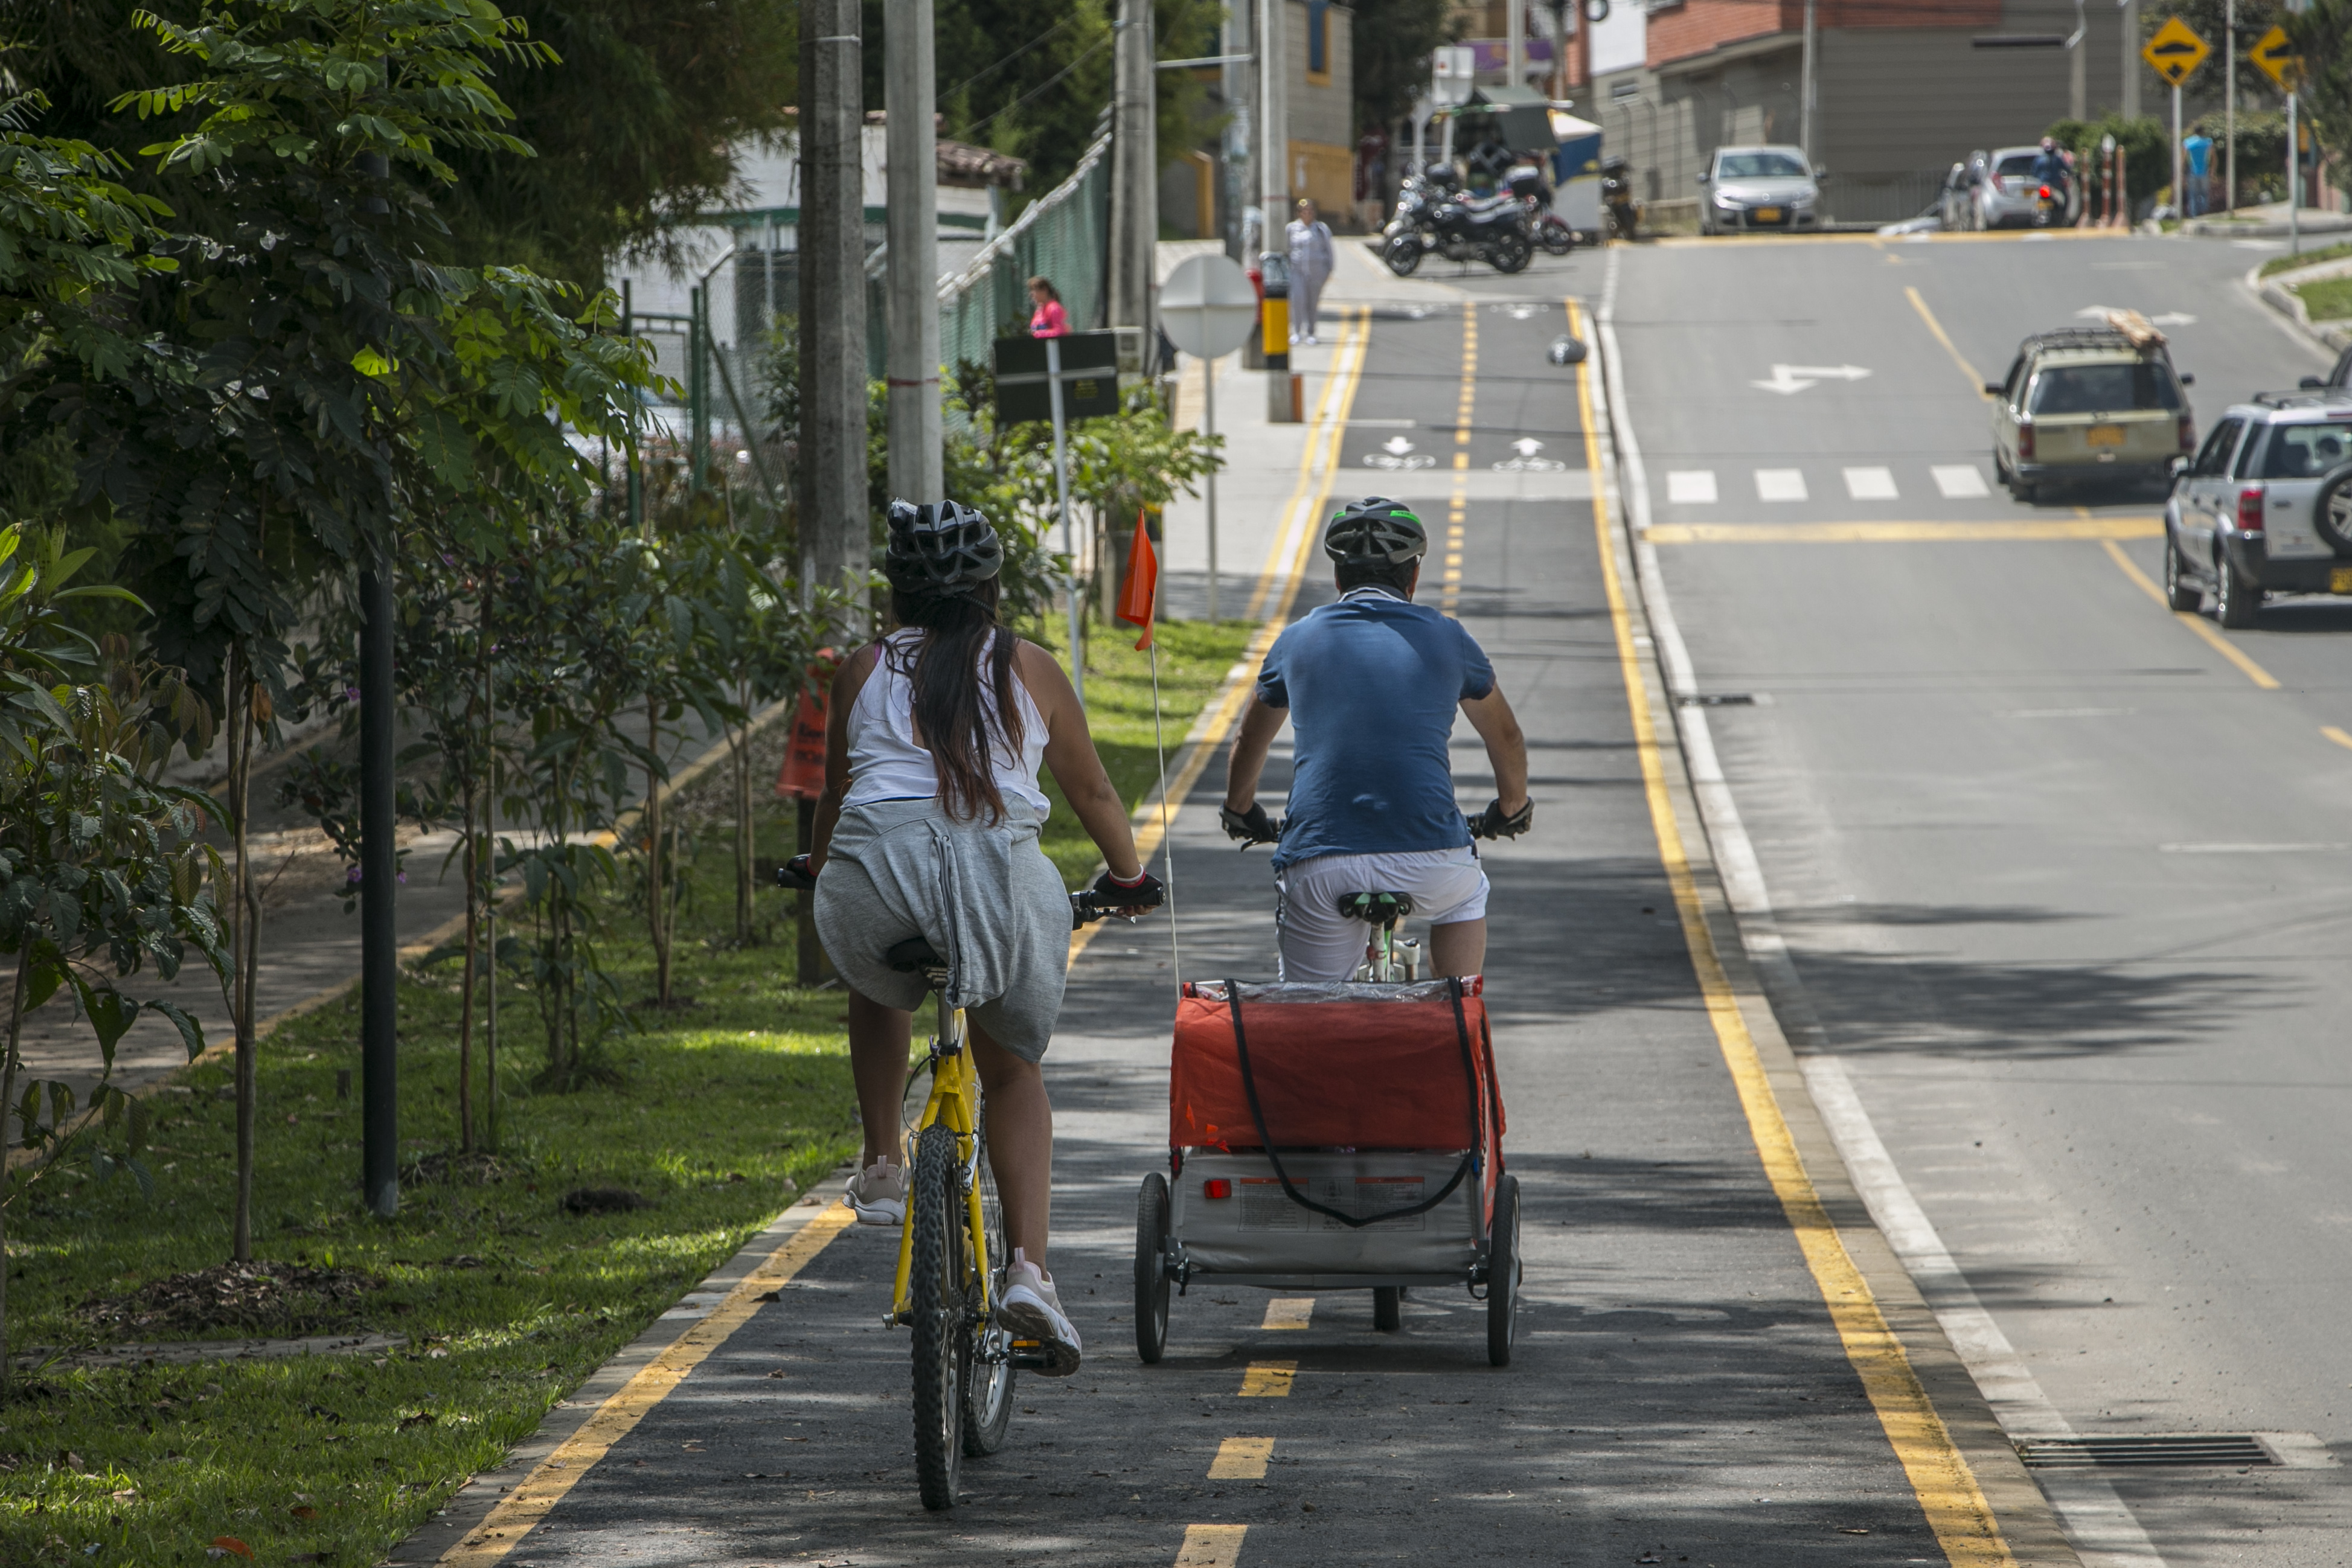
(2328, 298)
(725, 1109)
(2305, 258)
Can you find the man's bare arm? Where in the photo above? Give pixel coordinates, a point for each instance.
(1260, 724)
(1507, 747)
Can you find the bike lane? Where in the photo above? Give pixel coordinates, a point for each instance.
(1680, 1391)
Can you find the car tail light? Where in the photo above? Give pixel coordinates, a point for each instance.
(2024, 442)
(2044, 192)
(2188, 433)
(1216, 1186)
(2250, 510)
(1998, 185)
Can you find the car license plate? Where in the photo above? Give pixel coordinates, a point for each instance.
(1767, 215)
(2104, 435)
(2339, 579)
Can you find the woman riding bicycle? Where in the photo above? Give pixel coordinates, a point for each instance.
(927, 827)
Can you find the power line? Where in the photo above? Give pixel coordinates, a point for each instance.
(1075, 61)
(999, 65)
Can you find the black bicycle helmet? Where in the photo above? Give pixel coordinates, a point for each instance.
(941, 547)
(1375, 531)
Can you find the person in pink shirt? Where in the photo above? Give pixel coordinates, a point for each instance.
(1051, 320)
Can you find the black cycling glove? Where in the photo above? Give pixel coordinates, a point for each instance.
(1250, 826)
(1144, 893)
(1493, 824)
(795, 873)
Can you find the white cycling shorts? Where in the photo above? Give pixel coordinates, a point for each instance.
(1320, 945)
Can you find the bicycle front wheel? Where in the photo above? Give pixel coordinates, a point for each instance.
(939, 1292)
(988, 1398)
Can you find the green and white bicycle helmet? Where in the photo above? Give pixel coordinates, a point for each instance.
(941, 547)
(1375, 531)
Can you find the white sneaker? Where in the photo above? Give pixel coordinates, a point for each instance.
(1032, 1312)
(1310, 338)
(879, 1194)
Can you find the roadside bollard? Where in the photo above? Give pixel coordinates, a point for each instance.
(1274, 327)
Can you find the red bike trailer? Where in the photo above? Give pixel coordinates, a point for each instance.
(1332, 1137)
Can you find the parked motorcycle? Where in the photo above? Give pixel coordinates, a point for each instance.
(1617, 196)
(1546, 227)
(1432, 214)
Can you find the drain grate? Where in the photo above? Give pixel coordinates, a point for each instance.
(1719, 699)
(2144, 1448)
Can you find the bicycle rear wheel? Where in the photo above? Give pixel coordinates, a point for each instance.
(938, 1296)
(987, 1398)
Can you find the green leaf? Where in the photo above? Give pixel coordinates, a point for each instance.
(192, 1033)
(370, 362)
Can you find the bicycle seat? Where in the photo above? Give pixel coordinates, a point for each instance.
(913, 955)
(1376, 908)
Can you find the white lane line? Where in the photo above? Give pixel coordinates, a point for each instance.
(2253, 849)
(1959, 481)
(1691, 486)
(2101, 1526)
(1779, 483)
(1871, 483)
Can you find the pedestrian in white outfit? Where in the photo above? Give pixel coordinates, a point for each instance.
(1311, 260)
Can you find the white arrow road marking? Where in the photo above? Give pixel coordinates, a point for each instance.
(1396, 446)
(1521, 312)
(1527, 446)
(1396, 452)
(2170, 319)
(1527, 462)
(1790, 378)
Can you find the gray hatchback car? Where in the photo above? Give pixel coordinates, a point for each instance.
(2265, 507)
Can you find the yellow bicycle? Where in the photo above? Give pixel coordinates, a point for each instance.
(953, 1255)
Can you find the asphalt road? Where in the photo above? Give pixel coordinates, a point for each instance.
(2065, 886)
(1679, 1394)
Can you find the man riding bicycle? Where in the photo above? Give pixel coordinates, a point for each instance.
(1371, 684)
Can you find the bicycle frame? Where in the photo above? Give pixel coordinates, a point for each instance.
(954, 1104)
(1389, 959)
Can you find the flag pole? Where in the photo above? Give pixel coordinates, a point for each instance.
(1167, 843)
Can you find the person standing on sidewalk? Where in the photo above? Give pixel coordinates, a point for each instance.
(1311, 261)
(1050, 320)
(2197, 150)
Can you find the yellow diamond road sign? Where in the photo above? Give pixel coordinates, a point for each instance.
(2175, 51)
(2278, 59)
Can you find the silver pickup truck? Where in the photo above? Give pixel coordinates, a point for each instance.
(2265, 507)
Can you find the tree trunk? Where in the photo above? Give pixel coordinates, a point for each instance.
(657, 885)
(7, 1099)
(742, 738)
(466, 987)
(247, 899)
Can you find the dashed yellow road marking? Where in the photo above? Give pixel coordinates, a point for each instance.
(1212, 1546)
(1976, 381)
(1938, 1472)
(1288, 1313)
(503, 1530)
(2336, 734)
(1268, 1379)
(2194, 621)
(1241, 1459)
(1904, 532)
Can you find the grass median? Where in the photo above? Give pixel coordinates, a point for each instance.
(506, 1297)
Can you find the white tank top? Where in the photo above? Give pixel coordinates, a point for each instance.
(886, 762)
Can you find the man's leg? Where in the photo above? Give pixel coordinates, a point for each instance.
(878, 1039)
(1020, 1141)
(1458, 947)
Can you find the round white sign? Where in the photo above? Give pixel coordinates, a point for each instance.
(1208, 306)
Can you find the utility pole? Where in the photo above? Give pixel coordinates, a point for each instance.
(1805, 88)
(1135, 174)
(2131, 63)
(2229, 105)
(2078, 89)
(1514, 28)
(911, 82)
(1241, 143)
(379, 891)
(832, 521)
(1274, 123)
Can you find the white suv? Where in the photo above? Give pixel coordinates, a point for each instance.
(2265, 507)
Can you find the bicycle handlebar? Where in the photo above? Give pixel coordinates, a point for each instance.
(794, 875)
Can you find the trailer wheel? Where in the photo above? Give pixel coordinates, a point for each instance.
(1503, 1273)
(1151, 1269)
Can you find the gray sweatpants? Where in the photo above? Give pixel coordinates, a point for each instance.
(982, 894)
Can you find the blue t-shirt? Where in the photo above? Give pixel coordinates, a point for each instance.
(2197, 147)
(1371, 684)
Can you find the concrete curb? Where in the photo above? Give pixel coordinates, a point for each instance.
(2027, 1522)
(480, 1493)
(2273, 292)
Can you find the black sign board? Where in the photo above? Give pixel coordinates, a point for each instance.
(1089, 377)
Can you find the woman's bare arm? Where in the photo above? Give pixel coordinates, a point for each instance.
(1076, 767)
(847, 682)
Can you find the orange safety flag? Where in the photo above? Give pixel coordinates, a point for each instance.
(803, 775)
(1141, 588)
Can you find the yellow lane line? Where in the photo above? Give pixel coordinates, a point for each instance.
(1348, 366)
(1938, 1472)
(2194, 621)
(1288, 1313)
(1241, 1459)
(1976, 381)
(1331, 422)
(1901, 533)
(1211, 1545)
(2336, 734)
(1268, 1379)
(556, 1475)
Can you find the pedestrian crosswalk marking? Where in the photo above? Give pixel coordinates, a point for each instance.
(1691, 486)
(1294, 1311)
(1870, 483)
(1212, 1546)
(1959, 481)
(1268, 1379)
(1779, 483)
(1241, 1459)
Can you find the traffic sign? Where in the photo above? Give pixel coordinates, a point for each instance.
(1207, 307)
(1454, 72)
(1089, 378)
(2278, 59)
(2175, 51)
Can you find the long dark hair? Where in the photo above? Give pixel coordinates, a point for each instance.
(959, 731)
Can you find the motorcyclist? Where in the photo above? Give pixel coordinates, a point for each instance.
(1371, 684)
(2050, 169)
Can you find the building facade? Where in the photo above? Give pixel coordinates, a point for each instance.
(1319, 144)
